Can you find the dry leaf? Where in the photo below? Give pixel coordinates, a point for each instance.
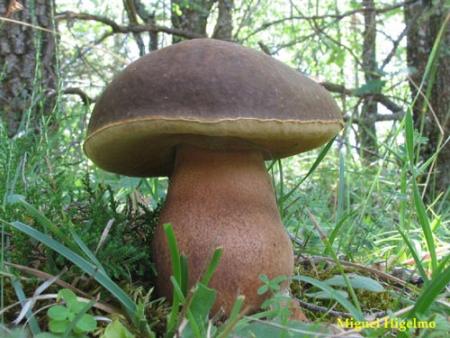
(14, 6)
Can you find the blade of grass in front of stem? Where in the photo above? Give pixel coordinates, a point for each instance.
(184, 274)
(176, 273)
(177, 289)
(235, 316)
(174, 252)
(186, 310)
(212, 266)
(237, 307)
(194, 326)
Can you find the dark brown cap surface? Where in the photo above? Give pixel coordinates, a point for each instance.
(207, 93)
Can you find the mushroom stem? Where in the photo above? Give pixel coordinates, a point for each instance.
(223, 198)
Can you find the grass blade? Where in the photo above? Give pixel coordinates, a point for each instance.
(431, 292)
(316, 163)
(40, 218)
(329, 249)
(86, 251)
(418, 202)
(335, 232)
(334, 294)
(212, 266)
(174, 252)
(413, 252)
(235, 316)
(341, 188)
(34, 326)
(425, 224)
(172, 320)
(79, 261)
(409, 137)
(184, 274)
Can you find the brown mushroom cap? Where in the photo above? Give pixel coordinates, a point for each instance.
(208, 93)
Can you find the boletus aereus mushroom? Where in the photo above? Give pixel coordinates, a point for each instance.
(208, 113)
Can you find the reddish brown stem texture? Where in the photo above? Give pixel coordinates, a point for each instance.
(223, 198)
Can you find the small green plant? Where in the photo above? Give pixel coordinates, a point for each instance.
(117, 330)
(70, 318)
(270, 285)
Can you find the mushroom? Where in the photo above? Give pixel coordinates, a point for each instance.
(208, 113)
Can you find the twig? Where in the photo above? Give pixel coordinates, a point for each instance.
(323, 309)
(303, 332)
(376, 118)
(337, 17)
(395, 45)
(2, 18)
(87, 100)
(101, 306)
(45, 276)
(117, 28)
(323, 236)
(383, 99)
(295, 239)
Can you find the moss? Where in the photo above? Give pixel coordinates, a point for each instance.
(370, 301)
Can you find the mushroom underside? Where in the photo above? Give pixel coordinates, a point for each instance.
(145, 147)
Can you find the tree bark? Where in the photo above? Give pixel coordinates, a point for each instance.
(27, 58)
(191, 16)
(224, 25)
(130, 9)
(149, 18)
(135, 9)
(432, 118)
(367, 129)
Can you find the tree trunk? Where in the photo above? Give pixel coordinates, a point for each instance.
(148, 18)
(224, 25)
(131, 10)
(367, 131)
(135, 9)
(27, 58)
(432, 118)
(191, 16)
